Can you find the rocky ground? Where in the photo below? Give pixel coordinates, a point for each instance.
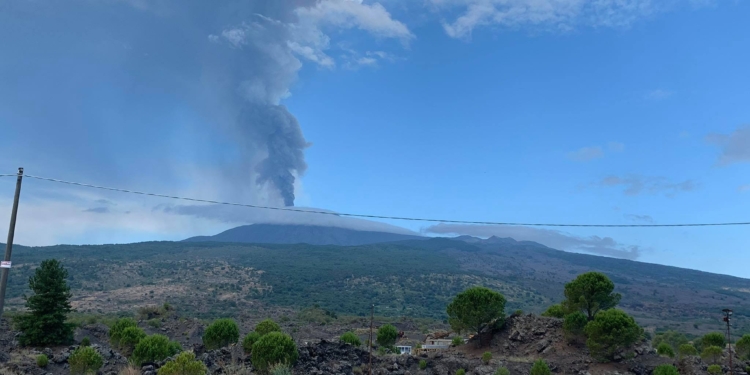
(516, 346)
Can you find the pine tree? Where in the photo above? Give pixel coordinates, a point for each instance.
(49, 305)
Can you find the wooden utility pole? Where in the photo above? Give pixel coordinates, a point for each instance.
(5, 265)
(372, 316)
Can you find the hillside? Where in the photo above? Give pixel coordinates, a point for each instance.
(414, 278)
(295, 234)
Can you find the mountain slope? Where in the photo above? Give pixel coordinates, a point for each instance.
(308, 234)
(415, 278)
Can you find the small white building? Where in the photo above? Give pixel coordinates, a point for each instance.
(404, 349)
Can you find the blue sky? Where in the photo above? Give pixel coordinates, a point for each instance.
(525, 111)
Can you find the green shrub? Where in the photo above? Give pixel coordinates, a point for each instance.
(665, 370)
(86, 342)
(183, 364)
(221, 333)
(267, 326)
(574, 324)
(743, 347)
(387, 335)
(154, 348)
(422, 364)
(665, 349)
(460, 372)
(502, 371)
(518, 312)
(351, 339)
(686, 350)
(85, 360)
(249, 340)
(115, 333)
(611, 331)
(42, 360)
(457, 341)
(555, 311)
(713, 339)
(273, 349)
(130, 337)
(540, 367)
(486, 357)
(280, 370)
(673, 338)
(714, 369)
(155, 322)
(712, 354)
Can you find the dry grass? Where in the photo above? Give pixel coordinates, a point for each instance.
(130, 370)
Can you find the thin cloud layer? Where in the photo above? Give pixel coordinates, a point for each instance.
(605, 246)
(636, 184)
(586, 154)
(735, 146)
(562, 15)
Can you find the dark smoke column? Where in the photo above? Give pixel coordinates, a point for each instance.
(277, 130)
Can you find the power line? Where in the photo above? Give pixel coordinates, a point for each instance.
(289, 209)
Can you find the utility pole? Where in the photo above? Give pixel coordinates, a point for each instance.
(727, 314)
(5, 265)
(372, 316)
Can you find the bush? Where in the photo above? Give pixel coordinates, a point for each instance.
(249, 341)
(267, 326)
(665, 370)
(502, 371)
(518, 312)
(457, 341)
(673, 338)
(130, 337)
(221, 333)
(686, 350)
(351, 339)
(85, 360)
(86, 342)
(611, 331)
(486, 357)
(273, 349)
(743, 347)
(183, 364)
(115, 333)
(555, 311)
(712, 354)
(280, 370)
(387, 335)
(154, 348)
(665, 349)
(422, 364)
(42, 360)
(540, 367)
(714, 369)
(48, 307)
(713, 339)
(574, 324)
(460, 372)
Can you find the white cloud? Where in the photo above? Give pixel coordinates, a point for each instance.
(373, 18)
(636, 184)
(594, 152)
(744, 188)
(551, 14)
(586, 154)
(555, 239)
(658, 94)
(735, 147)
